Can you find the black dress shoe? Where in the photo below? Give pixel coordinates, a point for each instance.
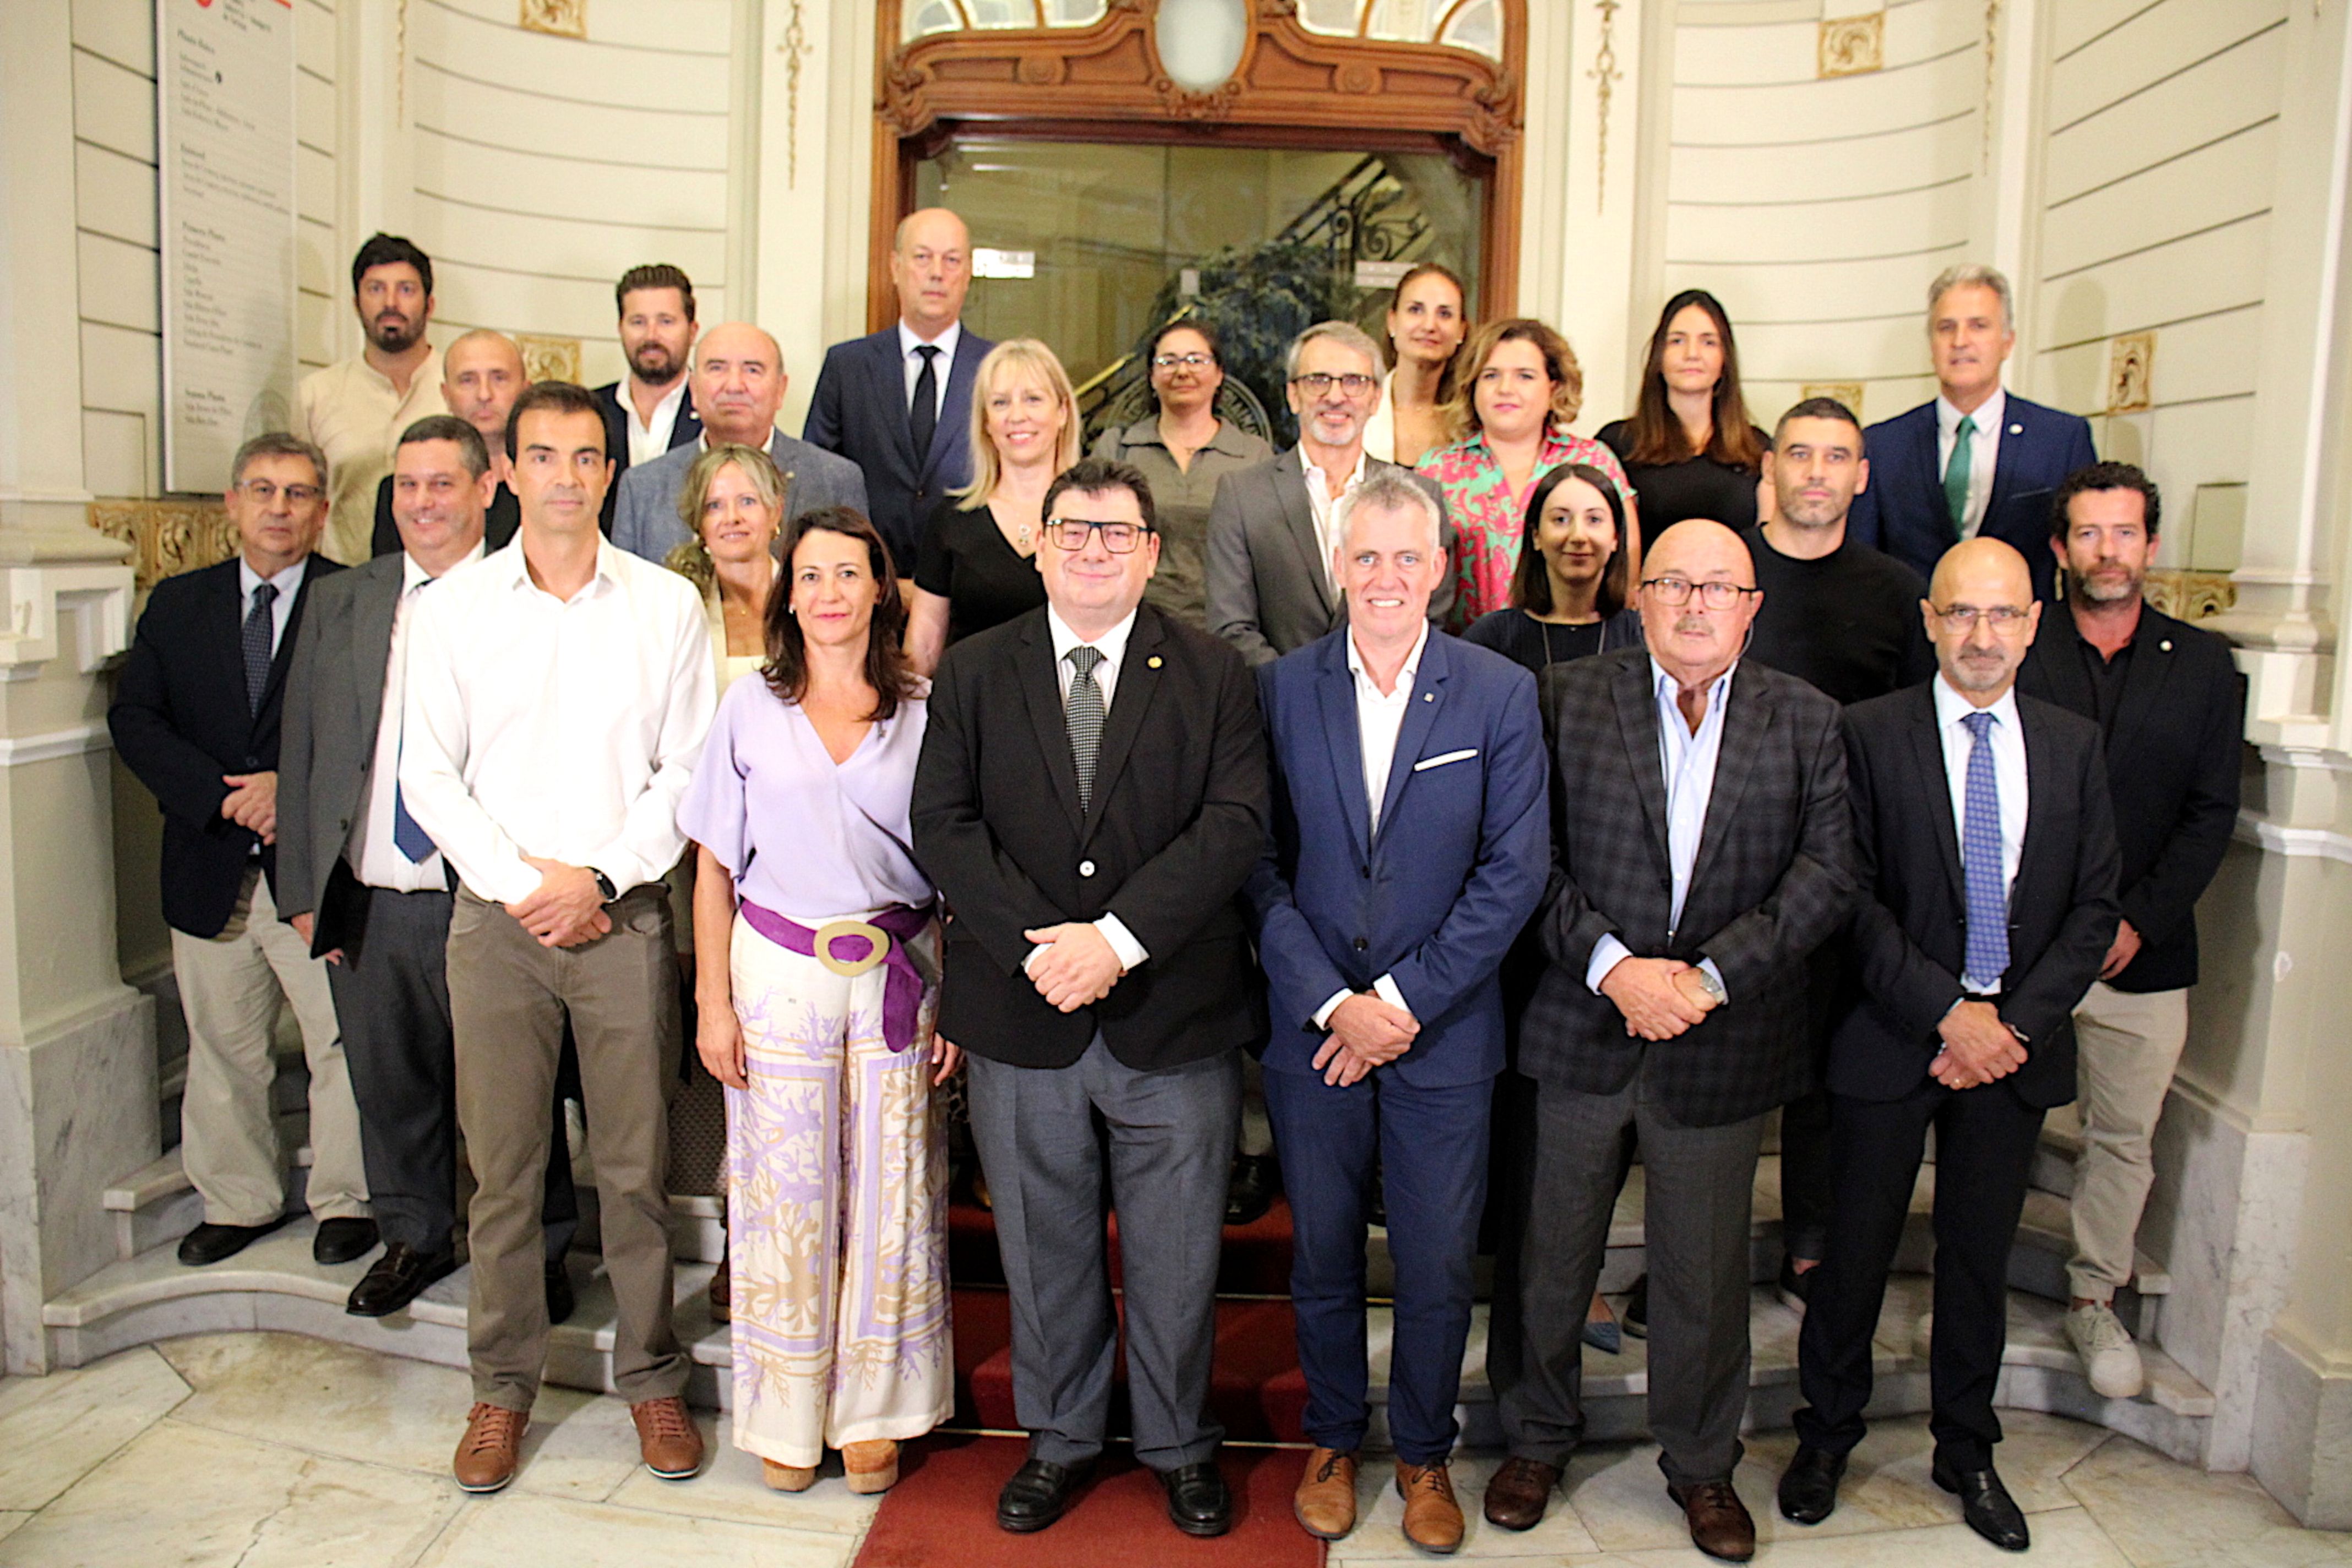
(1198, 1502)
(1986, 1504)
(1037, 1495)
(1250, 1191)
(209, 1243)
(1634, 1316)
(559, 1293)
(343, 1240)
(1809, 1486)
(399, 1277)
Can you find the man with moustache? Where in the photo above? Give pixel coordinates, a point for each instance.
(739, 383)
(558, 693)
(481, 376)
(650, 410)
(1961, 1024)
(364, 885)
(354, 409)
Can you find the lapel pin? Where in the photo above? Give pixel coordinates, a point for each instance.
(2164, 647)
(1153, 662)
(2017, 429)
(1429, 697)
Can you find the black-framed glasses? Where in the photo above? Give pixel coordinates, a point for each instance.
(1961, 619)
(1676, 592)
(1189, 361)
(1119, 538)
(1317, 382)
(261, 492)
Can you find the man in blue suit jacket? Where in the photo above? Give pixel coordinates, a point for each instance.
(899, 402)
(1411, 842)
(1929, 487)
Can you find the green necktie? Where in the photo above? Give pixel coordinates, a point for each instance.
(1956, 475)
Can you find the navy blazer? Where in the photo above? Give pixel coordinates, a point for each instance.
(860, 412)
(1902, 512)
(1437, 896)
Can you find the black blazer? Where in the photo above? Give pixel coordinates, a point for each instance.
(685, 429)
(1773, 880)
(859, 410)
(498, 524)
(1910, 931)
(1178, 818)
(180, 722)
(2175, 744)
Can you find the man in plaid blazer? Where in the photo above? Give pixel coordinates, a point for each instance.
(1702, 847)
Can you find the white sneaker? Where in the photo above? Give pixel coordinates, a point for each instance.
(2109, 1357)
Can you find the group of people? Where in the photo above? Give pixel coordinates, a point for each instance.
(1150, 793)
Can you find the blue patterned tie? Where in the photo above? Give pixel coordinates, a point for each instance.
(260, 628)
(1988, 897)
(407, 833)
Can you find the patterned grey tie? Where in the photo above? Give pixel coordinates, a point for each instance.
(1082, 716)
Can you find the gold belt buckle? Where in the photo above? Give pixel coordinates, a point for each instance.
(851, 969)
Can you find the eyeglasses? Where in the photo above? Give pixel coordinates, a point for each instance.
(261, 492)
(1119, 538)
(1678, 591)
(1189, 361)
(1962, 618)
(1317, 382)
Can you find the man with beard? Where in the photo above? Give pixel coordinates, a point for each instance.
(2173, 707)
(355, 409)
(481, 376)
(651, 410)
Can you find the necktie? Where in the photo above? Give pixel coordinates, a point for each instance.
(1955, 474)
(257, 639)
(1988, 897)
(408, 835)
(1082, 716)
(923, 414)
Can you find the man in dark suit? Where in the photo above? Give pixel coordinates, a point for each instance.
(196, 716)
(650, 411)
(1987, 848)
(1091, 798)
(2172, 707)
(1410, 794)
(1977, 461)
(739, 382)
(1270, 588)
(899, 402)
(482, 375)
(1701, 850)
(368, 890)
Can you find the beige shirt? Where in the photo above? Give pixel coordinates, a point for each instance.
(351, 413)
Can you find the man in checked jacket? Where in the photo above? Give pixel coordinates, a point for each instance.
(1702, 847)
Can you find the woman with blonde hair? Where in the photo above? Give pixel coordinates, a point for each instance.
(733, 503)
(1520, 389)
(975, 563)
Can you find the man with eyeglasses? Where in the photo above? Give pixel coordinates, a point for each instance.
(196, 716)
(1962, 1024)
(1271, 530)
(1702, 849)
(1091, 799)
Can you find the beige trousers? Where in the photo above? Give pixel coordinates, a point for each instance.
(2126, 1046)
(230, 986)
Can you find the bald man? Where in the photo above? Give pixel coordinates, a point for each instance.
(738, 384)
(481, 376)
(899, 402)
(1964, 1026)
(1671, 1006)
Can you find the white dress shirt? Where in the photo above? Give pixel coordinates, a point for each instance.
(1325, 507)
(288, 583)
(1380, 716)
(562, 728)
(1689, 761)
(911, 362)
(651, 439)
(374, 853)
(2008, 743)
(1112, 645)
(1984, 450)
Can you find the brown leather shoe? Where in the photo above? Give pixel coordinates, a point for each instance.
(667, 1437)
(1720, 1525)
(1325, 1501)
(870, 1466)
(1521, 1490)
(1433, 1520)
(491, 1447)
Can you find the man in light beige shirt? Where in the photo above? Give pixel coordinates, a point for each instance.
(355, 409)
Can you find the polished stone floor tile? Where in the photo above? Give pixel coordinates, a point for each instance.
(2165, 1515)
(2064, 1539)
(730, 1487)
(1379, 1536)
(9, 1522)
(508, 1531)
(60, 1427)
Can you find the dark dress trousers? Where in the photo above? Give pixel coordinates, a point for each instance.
(498, 524)
(1432, 899)
(611, 399)
(391, 985)
(1176, 823)
(860, 410)
(1904, 513)
(180, 721)
(1910, 936)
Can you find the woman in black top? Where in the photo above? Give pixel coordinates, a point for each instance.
(1690, 449)
(1569, 594)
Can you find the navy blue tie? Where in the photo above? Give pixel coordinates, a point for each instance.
(923, 412)
(406, 831)
(259, 626)
(1988, 893)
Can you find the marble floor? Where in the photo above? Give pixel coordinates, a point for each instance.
(274, 1451)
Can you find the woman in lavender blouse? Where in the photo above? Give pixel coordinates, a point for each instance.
(816, 974)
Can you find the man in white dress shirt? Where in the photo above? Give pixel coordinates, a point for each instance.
(558, 693)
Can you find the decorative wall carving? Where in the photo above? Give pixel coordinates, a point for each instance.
(548, 358)
(1846, 392)
(2131, 372)
(1852, 45)
(2190, 596)
(795, 49)
(166, 537)
(1992, 60)
(1605, 76)
(565, 18)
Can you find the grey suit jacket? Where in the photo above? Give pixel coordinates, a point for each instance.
(1268, 592)
(645, 524)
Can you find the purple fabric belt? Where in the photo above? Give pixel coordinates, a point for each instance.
(881, 940)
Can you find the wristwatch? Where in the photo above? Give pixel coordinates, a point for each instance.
(1712, 986)
(605, 888)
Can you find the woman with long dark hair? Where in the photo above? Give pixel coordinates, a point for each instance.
(1690, 447)
(1571, 593)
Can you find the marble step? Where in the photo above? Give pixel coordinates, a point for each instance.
(157, 1205)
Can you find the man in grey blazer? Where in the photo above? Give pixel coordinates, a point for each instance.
(739, 385)
(365, 886)
(1270, 529)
